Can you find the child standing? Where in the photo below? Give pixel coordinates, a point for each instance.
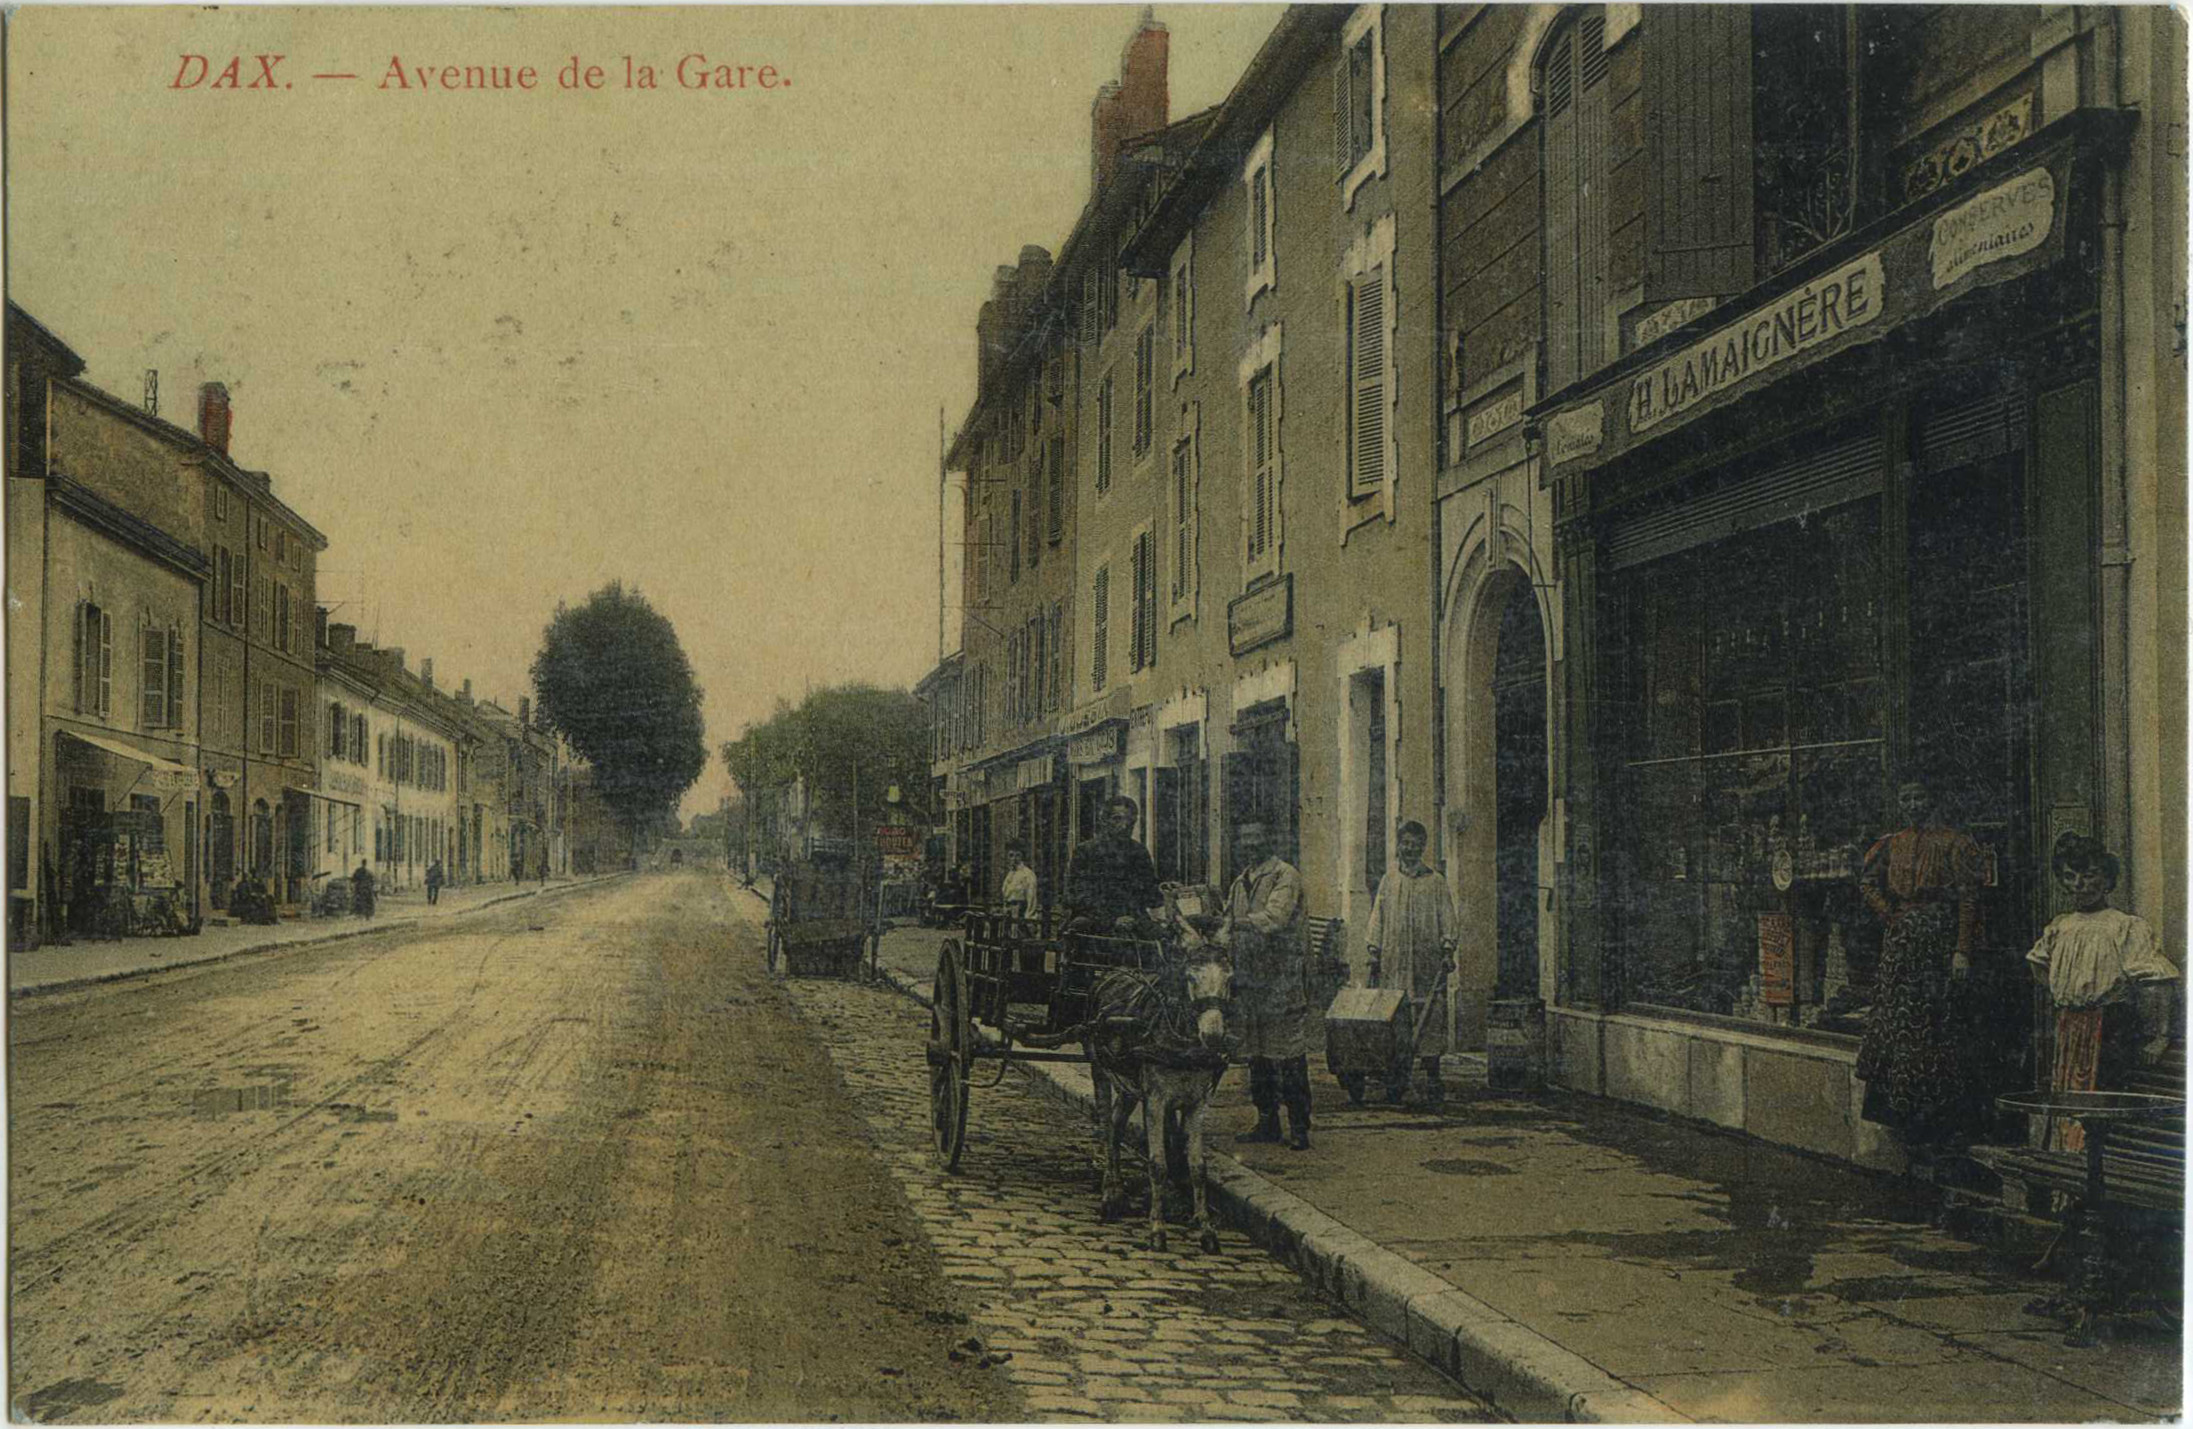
(2107, 976)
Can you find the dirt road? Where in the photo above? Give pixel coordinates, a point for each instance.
(571, 1159)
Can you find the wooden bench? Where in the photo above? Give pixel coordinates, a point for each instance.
(2143, 1170)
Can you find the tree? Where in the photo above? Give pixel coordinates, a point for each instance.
(613, 680)
(848, 744)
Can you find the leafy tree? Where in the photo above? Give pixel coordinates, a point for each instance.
(849, 743)
(613, 680)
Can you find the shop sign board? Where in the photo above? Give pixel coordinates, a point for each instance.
(1576, 432)
(2004, 222)
(1836, 302)
(1097, 746)
(1260, 616)
(898, 840)
(1496, 416)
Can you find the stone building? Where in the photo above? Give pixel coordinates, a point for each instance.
(390, 743)
(1813, 421)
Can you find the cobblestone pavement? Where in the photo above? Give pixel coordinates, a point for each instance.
(1090, 1325)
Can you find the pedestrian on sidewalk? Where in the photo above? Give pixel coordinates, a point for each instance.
(1921, 1071)
(361, 891)
(2106, 974)
(1411, 938)
(1020, 894)
(1263, 927)
(434, 882)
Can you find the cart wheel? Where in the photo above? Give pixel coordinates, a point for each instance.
(951, 1043)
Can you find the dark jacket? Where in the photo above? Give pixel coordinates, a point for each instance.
(1111, 877)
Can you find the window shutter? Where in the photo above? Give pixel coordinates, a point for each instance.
(1698, 104)
(236, 591)
(1259, 209)
(175, 678)
(1165, 822)
(1057, 473)
(1593, 131)
(1149, 598)
(106, 664)
(1343, 115)
(1100, 632)
(152, 671)
(1367, 416)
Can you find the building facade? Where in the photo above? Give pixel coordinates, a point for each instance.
(1775, 493)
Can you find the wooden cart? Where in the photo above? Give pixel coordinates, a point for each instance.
(1024, 989)
(819, 920)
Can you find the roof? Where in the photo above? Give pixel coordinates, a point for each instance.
(69, 362)
(96, 511)
(257, 485)
(1108, 209)
(1238, 122)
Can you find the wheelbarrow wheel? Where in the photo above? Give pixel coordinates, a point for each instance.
(951, 1047)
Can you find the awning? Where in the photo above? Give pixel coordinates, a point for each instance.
(323, 796)
(156, 763)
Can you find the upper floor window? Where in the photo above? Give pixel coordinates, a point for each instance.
(1142, 631)
(1055, 471)
(220, 502)
(1359, 102)
(160, 687)
(1574, 132)
(1183, 504)
(1260, 445)
(1100, 610)
(1256, 179)
(1370, 377)
(94, 660)
(1012, 541)
(1182, 309)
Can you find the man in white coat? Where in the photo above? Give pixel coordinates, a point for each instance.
(1411, 938)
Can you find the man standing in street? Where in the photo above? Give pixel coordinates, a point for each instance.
(1020, 884)
(1411, 938)
(1111, 885)
(361, 891)
(434, 882)
(1263, 927)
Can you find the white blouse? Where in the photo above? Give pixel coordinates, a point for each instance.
(2091, 958)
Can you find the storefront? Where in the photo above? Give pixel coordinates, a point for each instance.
(126, 852)
(1803, 545)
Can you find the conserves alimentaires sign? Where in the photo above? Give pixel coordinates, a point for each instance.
(2004, 222)
(1822, 310)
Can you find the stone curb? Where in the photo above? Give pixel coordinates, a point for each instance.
(378, 925)
(1518, 1371)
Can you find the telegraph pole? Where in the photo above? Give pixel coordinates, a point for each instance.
(941, 488)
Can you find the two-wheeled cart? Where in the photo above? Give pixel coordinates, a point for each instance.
(1024, 989)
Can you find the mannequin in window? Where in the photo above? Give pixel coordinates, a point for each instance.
(1917, 1062)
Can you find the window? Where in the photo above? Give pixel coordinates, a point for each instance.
(1099, 632)
(1104, 435)
(220, 502)
(1012, 541)
(1142, 636)
(1184, 514)
(1035, 513)
(1108, 291)
(1090, 302)
(281, 617)
(380, 755)
(220, 584)
(1359, 102)
(1055, 469)
(289, 722)
(1183, 310)
(1573, 100)
(261, 524)
(267, 716)
(1367, 728)
(1260, 443)
(1369, 381)
(1256, 178)
(1031, 675)
(237, 602)
(281, 548)
(1145, 382)
(152, 654)
(94, 661)
(358, 739)
(333, 745)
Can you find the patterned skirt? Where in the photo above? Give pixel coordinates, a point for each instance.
(1919, 1078)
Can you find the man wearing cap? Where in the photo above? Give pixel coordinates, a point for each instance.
(1263, 927)
(1411, 938)
(1111, 885)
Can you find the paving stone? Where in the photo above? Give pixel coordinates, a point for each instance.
(1098, 1327)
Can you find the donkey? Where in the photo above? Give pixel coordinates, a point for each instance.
(1159, 1039)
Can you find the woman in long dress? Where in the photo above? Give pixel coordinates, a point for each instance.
(1919, 1069)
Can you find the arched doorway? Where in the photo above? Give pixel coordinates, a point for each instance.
(1519, 788)
(221, 847)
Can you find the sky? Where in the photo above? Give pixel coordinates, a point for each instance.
(503, 346)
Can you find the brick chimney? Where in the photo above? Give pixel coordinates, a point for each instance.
(1139, 103)
(213, 416)
(342, 639)
(525, 711)
(464, 693)
(394, 654)
(426, 672)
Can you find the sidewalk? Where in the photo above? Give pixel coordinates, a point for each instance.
(51, 969)
(1569, 1257)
